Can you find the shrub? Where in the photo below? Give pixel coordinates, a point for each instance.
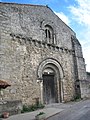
(29, 108)
(76, 98)
(41, 113)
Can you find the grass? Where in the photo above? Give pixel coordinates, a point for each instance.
(41, 113)
(30, 108)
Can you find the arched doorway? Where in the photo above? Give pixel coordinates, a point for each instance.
(50, 73)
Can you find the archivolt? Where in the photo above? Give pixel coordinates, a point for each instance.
(49, 61)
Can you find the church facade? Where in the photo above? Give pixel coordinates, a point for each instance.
(40, 55)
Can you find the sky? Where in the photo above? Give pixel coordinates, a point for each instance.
(75, 13)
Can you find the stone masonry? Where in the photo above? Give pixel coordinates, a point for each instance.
(35, 45)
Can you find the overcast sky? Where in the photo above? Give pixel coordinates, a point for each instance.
(76, 14)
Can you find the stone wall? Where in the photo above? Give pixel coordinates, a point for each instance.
(22, 64)
(13, 107)
(23, 47)
(79, 68)
(88, 76)
(88, 85)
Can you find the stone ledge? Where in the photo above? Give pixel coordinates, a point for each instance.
(24, 39)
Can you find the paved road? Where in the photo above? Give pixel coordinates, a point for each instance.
(79, 111)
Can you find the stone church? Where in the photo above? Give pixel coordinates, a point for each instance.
(39, 55)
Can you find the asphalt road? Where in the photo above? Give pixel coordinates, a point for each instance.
(79, 111)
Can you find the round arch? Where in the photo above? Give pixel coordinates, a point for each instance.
(51, 73)
(50, 61)
(53, 27)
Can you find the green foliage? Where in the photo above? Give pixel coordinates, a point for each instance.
(41, 113)
(77, 98)
(29, 108)
(40, 105)
(1, 116)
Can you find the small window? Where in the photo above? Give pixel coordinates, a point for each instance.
(46, 33)
(49, 34)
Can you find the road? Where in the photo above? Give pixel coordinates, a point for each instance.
(79, 111)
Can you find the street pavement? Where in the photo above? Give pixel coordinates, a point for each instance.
(59, 111)
(79, 111)
(31, 115)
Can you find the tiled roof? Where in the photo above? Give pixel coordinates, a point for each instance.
(4, 84)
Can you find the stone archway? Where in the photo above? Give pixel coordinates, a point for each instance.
(50, 73)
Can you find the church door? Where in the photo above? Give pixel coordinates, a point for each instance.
(48, 89)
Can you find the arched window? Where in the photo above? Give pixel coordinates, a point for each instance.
(49, 34)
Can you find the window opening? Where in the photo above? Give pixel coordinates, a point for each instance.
(49, 34)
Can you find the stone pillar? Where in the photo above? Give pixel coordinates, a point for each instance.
(41, 87)
(40, 82)
(62, 91)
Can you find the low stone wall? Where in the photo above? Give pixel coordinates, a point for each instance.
(13, 107)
